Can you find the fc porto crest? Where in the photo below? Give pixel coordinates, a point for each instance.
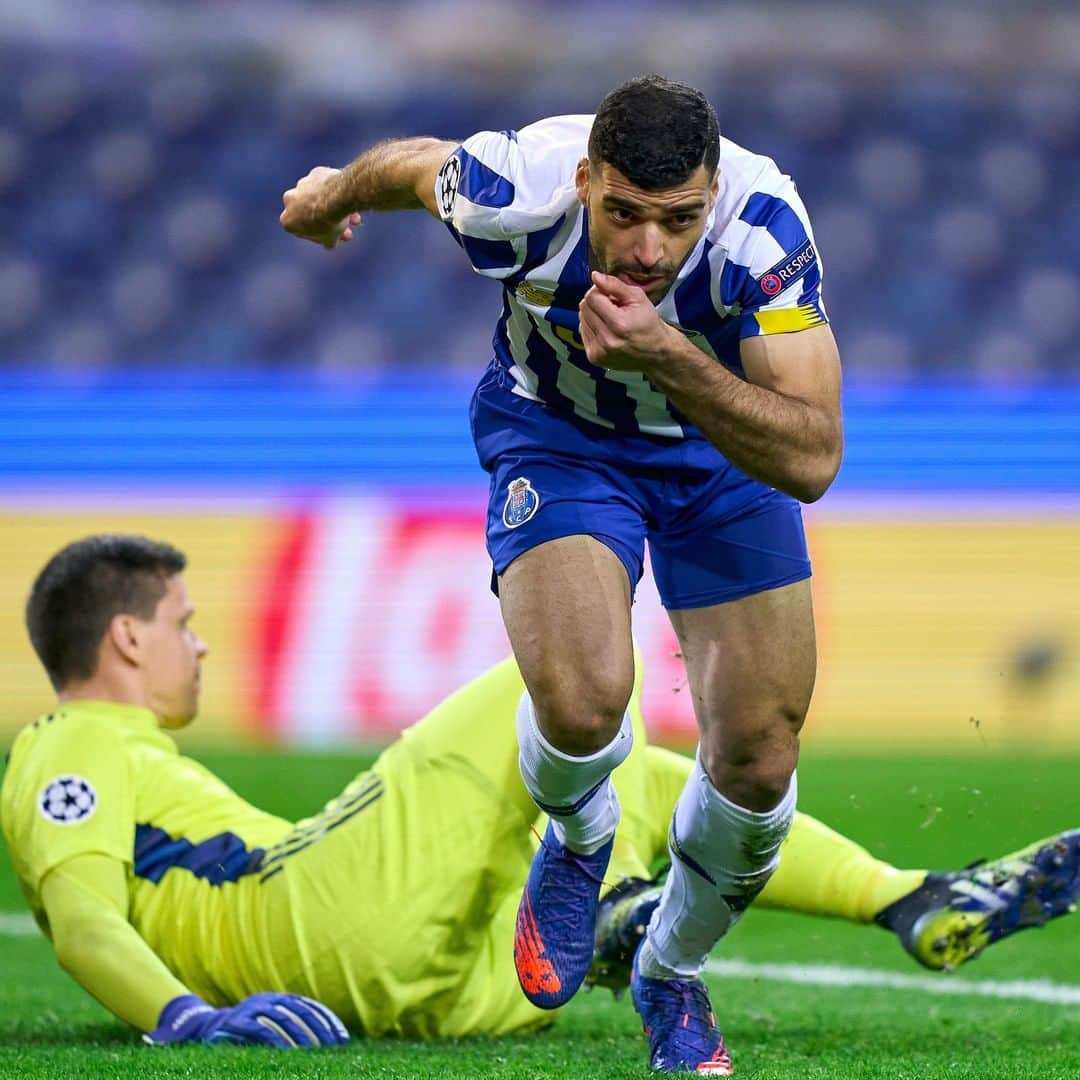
(521, 503)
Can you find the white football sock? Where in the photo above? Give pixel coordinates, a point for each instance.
(711, 838)
(576, 792)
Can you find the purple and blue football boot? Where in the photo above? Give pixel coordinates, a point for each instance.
(556, 921)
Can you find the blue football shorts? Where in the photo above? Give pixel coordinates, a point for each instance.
(714, 534)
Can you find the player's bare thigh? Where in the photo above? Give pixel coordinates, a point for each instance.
(751, 665)
(566, 606)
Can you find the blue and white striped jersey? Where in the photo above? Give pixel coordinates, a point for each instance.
(508, 198)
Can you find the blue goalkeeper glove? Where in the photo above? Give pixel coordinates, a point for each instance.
(287, 1021)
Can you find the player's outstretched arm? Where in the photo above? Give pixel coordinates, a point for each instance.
(86, 902)
(398, 174)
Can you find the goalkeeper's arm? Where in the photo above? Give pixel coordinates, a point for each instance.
(86, 902)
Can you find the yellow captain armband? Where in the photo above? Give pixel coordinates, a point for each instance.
(788, 320)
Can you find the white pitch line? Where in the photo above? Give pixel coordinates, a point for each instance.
(17, 924)
(832, 975)
(21, 924)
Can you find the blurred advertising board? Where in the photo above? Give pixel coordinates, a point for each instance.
(346, 617)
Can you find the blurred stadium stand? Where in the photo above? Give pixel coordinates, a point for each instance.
(144, 148)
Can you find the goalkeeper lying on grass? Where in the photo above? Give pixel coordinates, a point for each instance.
(194, 916)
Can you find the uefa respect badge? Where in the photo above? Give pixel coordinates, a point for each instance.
(522, 502)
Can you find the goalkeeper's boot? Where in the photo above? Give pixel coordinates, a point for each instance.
(556, 921)
(951, 918)
(680, 1025)
(621, 921)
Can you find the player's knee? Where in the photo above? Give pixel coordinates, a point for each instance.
(762, 785)
(753, 770)
(581, 718)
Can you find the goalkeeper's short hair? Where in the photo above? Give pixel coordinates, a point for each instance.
(83, 586)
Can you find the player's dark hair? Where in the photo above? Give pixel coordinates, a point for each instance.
(655, 132)
(83, 586)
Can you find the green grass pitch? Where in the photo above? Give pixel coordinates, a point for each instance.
(915, 811)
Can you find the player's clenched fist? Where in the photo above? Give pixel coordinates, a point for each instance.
(285, 1021)
(619, 325)
(311, 211)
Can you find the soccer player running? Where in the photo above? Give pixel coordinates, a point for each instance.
(195, 916)
(663, 370)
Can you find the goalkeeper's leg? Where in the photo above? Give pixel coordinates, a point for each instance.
(472, 733)
(942, 919)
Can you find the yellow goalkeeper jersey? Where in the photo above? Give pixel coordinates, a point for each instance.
(100, 778)
(394, 905)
